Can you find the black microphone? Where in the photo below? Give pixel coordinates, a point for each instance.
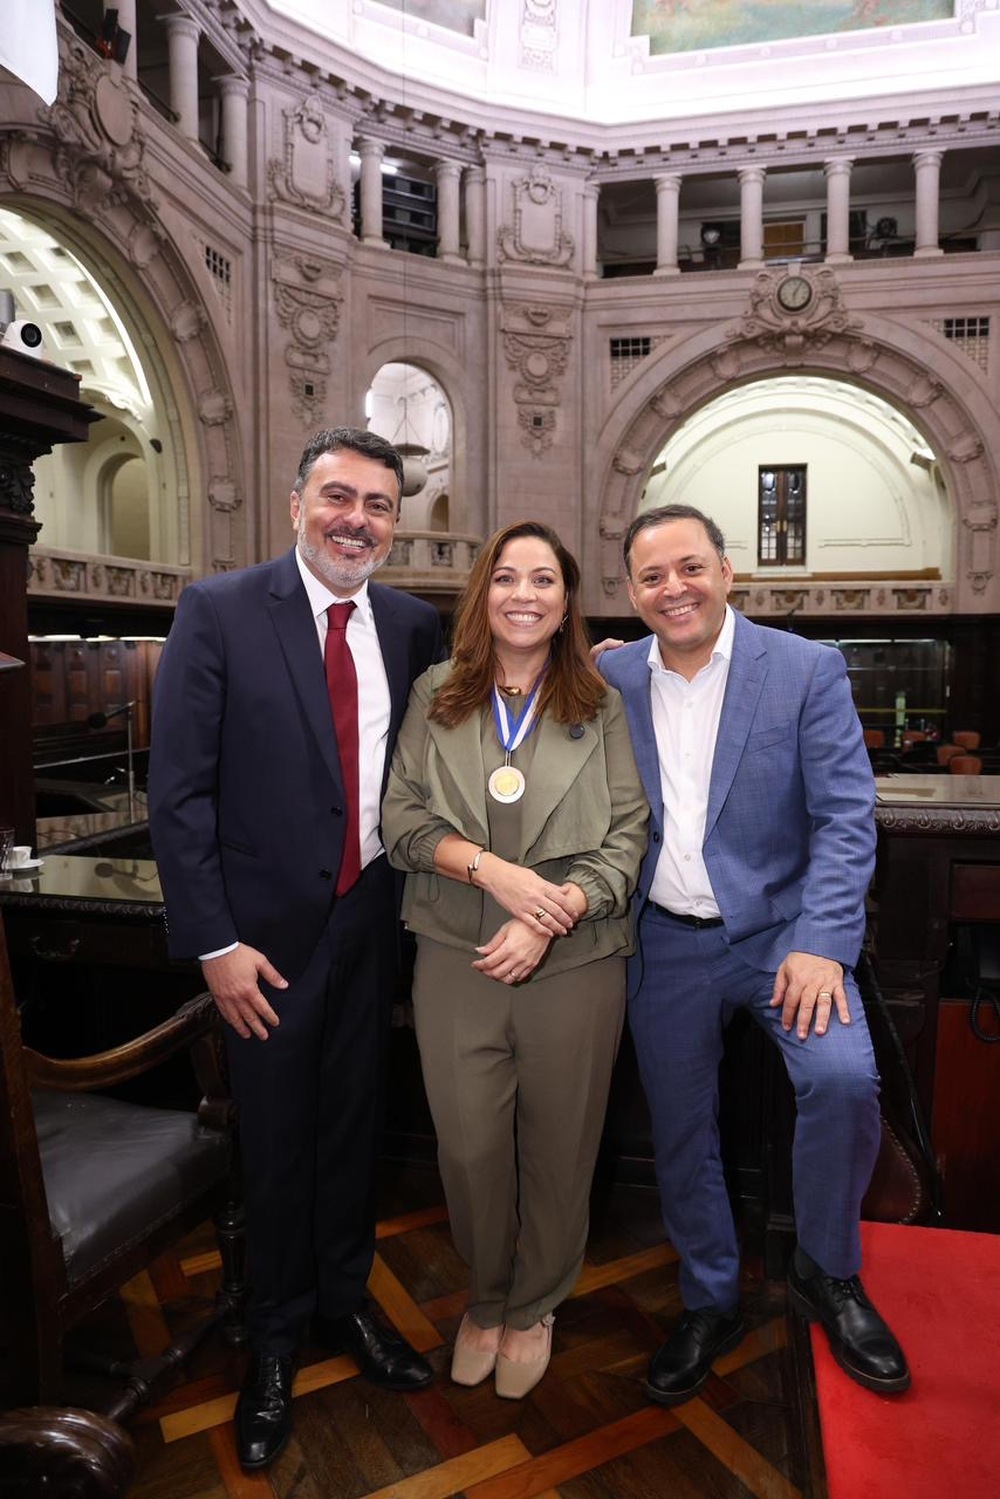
(99, 720)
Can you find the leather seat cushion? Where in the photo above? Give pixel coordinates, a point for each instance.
(114, 1170)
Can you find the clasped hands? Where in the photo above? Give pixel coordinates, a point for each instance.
(539, 911)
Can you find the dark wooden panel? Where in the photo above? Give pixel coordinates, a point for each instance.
(975, 892)
(966, 1120)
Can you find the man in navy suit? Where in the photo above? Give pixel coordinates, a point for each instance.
(762, 846)
(248, 815)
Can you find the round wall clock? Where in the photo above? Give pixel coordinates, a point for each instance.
(794, 293)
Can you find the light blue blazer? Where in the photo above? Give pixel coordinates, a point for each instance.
(790, 831)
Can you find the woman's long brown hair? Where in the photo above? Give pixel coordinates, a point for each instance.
(571, 690)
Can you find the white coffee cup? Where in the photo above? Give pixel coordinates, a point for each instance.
(19, 855)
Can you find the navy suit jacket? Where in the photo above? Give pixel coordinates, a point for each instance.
(245, 789)
(790, 832)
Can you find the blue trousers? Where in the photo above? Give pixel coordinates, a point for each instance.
(685, 985)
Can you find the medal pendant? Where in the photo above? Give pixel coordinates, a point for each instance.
(506, 784)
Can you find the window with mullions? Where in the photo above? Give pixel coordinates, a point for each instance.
(781, 515)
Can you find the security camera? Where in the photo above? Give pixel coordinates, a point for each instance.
(25, 336)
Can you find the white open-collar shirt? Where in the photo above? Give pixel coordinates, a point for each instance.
(686, 724)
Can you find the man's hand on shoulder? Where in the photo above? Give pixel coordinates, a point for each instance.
(807, 987)
(608, 644)
(232, 979)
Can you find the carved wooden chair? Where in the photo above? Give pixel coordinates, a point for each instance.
(92, 1189)
(61, 1451)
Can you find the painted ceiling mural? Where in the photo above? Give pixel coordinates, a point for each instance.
(454, 15)
(693, 25)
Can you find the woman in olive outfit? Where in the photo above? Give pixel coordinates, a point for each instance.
(515, 807)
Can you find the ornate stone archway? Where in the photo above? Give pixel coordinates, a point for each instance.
(909, 365)
(80, 167)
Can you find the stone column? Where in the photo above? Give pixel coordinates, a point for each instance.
(927, 166)
(126, 22)
(838, 209)
(371, 153)
(182, 41)
(475, 215)
(234, 92)
(591, 199)
(751, 218)
(668, 193)
(448, 174)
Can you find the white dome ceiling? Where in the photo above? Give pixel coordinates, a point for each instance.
(615, 61)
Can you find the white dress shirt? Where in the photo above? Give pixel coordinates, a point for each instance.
(686, 722)
(374, 703)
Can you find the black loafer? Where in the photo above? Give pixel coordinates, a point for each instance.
(263, 1417)
(683, 1364)
(860, 1341)
(384, 1358)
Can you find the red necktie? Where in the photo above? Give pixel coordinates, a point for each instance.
(342, 685)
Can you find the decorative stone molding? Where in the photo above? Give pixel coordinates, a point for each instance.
(306, 173)
(536, 345)
(307, 299)
(536, 235)
(100, 154)
(187, 321)
(435, 562)
(223, 495)
(793, 334)
(53, 574)
(214, 408)
(538, 35)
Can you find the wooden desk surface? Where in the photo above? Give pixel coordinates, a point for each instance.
(938, 804)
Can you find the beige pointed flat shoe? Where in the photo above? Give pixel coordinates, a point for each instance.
(471, 1365)
(514, 1379)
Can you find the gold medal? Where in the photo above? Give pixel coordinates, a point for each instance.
(506, 784)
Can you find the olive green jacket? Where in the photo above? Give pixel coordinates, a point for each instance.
(583, 818)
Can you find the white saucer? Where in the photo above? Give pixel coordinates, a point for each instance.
(18, 869)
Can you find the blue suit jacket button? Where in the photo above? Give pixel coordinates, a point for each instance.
(326, 874)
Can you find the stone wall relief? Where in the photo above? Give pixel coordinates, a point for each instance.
(536, 233)
(307, 300)
(536, 343)
(306, 174)
(794, 314)
(99, 158)
(538, 36)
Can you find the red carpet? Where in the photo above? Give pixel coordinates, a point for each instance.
(940, 1292)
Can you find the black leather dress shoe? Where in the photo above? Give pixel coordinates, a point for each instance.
(263, 1417)
(380, 1353)
(860, 1341)
(683, 1364)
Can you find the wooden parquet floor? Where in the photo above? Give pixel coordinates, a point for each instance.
(586, 1432)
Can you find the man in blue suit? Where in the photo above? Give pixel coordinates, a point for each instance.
(762, 846)
(275, 877)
